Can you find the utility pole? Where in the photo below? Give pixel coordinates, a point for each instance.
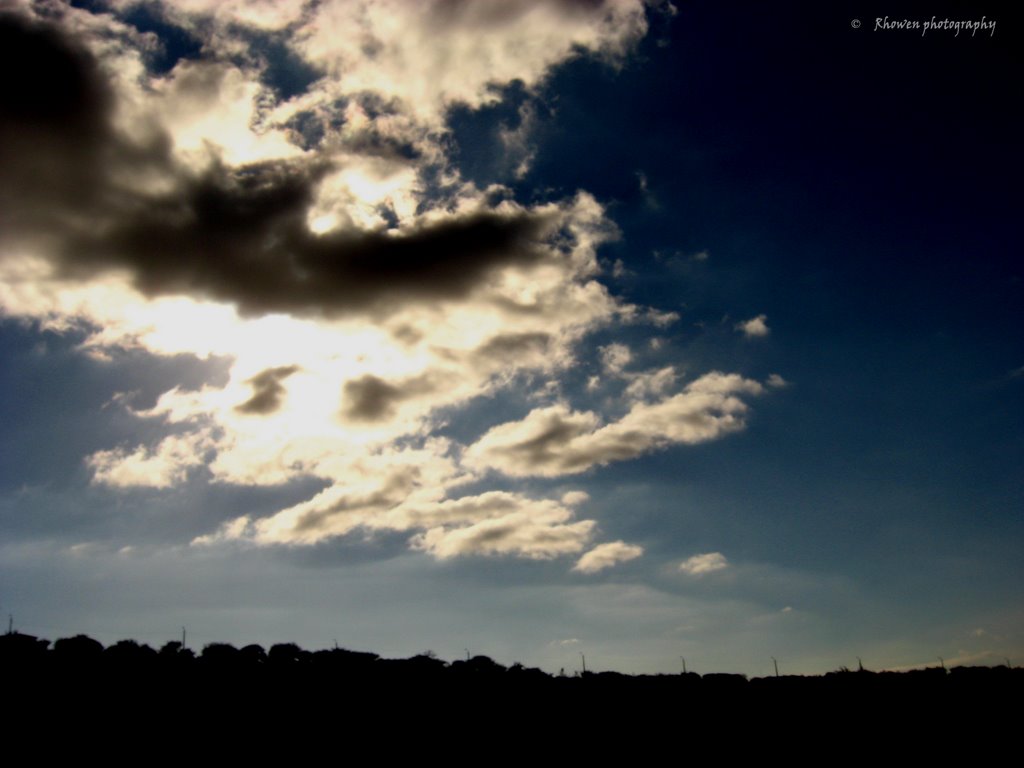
(684, 664)
(776, 663)
(584, 662)
(10, 624)
(183, 638)
(860, 665)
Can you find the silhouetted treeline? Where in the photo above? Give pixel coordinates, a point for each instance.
(131, 682)
(23, 654)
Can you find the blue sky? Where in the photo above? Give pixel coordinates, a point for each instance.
(533, 329)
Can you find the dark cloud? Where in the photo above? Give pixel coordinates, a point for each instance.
(57, 84)
(230, 234)
(370, 398)
(509, 346)
(53, 107)
(267, 390)
(241, 236)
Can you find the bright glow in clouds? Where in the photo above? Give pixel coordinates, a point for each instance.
(709, 562)
(358, 306)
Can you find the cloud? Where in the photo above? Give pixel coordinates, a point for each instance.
(95, 199)
(240, 236)
(414, 44)
(267, 390)
(321, 241)
(615, 357)
(709, 562)
(555, 441)
(651, 384)
(755, 327)
(606, 555)
(537, 537)
(372, 398)
(160, 467)
(489, 524)
(519, 152)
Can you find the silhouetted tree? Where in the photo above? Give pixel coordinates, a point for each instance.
(254, 654)
(129, 652)
(78, 649)
(286, 653)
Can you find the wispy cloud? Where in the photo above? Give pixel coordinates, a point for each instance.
(606, 555)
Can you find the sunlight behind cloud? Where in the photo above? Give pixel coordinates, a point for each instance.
(359, 291)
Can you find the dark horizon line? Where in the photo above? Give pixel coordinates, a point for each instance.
(83, 648)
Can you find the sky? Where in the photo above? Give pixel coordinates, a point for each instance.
(640, 331)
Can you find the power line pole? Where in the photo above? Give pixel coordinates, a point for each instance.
(776, 663)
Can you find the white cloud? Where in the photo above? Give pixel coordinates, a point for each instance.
(555, 441)
(413, 45)
(355, 305)
(615, 357)
(267, 14)
(606, 555)
(162, 467)
(212, 107)
(517, 534)
(491, 523)
(650, 384)
(709, 562)
(755, 327)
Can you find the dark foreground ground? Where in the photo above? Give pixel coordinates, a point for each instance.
(241, 698)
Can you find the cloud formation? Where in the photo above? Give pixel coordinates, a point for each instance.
(319, 238)
(267, 390)
(755, 327)
(556, 440)
(699, 565)
(606, 555)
